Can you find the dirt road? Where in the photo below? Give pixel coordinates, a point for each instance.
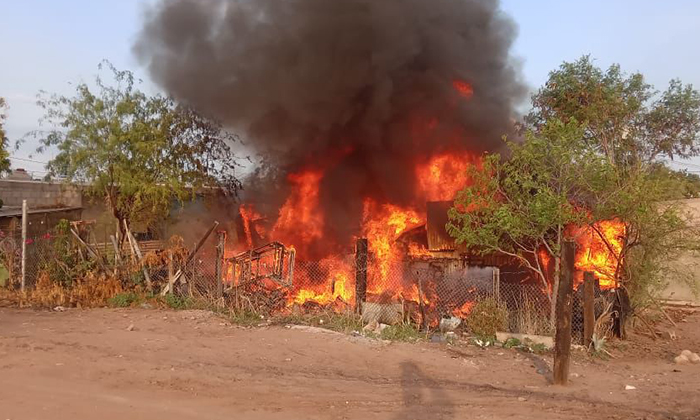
(192, 365)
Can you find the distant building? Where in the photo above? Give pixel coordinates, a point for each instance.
(48, 203)
(19, 174)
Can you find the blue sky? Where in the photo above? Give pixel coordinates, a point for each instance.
(46, 44)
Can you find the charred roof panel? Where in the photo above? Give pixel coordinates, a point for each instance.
(438, 238)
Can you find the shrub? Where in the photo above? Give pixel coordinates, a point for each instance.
(487, 317)
(401, 332)
(123, 300)
(178, 302)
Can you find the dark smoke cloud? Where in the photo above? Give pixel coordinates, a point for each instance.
(303, 79)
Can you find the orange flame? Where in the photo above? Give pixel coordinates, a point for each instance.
(300, 221)
(441, 177)
(599, 251)
(463, 310)
(463, 88)
(383, 224)
(338, 287)
(417, 251)
(248, 215)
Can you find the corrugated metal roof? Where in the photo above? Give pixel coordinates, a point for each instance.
(438, 238)
(17, 211)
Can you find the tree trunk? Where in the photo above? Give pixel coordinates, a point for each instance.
(555, 280)
(555, 291)
(588, 308)
(562, 337)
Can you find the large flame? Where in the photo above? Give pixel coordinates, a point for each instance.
(300, 220)
(331, 280)
(442, 176)
(337, 285)
(383, 224)
(599, 251)
(249, 216)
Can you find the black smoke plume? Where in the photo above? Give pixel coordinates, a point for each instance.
(370, 83)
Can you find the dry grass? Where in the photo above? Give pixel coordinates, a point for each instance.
(604, 323)
(529, 319)
(176, 249)
(91, 291)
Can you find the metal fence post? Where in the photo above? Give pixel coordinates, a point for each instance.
(24, 244)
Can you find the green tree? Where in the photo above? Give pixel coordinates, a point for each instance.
(625, 118)
(4, 154)
(594, 150)
(637, 129)
(139, 153)
(522, 207)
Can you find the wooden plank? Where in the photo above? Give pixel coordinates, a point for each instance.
(90, 250)
(107, 248)
(117, 254)
(220, 252)
(562, 338)
(135, 244)
(190, 257)
(588, 308)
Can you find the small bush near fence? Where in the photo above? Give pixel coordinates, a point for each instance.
(487, 317)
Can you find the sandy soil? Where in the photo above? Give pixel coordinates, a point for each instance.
(192, 365)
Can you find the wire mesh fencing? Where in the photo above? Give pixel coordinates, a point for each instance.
(528, 306)
(421, 291)
(66, 258)
(10, 260)
(40, 253)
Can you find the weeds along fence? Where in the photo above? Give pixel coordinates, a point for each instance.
(424, 291)
(66, 256)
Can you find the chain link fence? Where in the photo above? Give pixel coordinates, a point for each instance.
(10, 260)
(66, 258)
(41, 252)
(423, 291)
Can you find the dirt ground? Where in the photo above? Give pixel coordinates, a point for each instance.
(86, 364)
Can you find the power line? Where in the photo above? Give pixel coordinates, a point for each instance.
(27, 160)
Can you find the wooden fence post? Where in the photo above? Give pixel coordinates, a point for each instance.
(171, 272)
(361, 249)
(220, 254)
(136, 249)
(497, 284)
(562, 339)
(588, 307)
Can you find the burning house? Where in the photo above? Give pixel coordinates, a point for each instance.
(366, 115)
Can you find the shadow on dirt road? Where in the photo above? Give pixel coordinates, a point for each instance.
(423, 398)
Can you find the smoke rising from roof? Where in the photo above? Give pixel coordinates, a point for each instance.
(372, 85)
